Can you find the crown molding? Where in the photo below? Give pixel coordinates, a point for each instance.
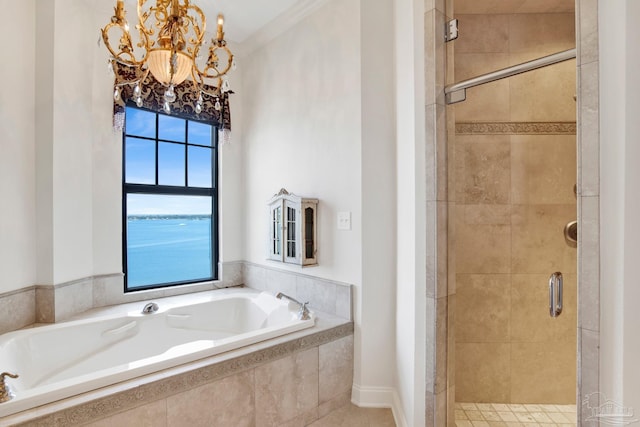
(279, 25)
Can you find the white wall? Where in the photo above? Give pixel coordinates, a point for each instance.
(60, 158)
(17, 147)
(72, 141)
(64, 127)
(301, 116)
(106, 157)
(231, 179)
(318, 120)
(378, 293)
(411, 204)
(619, 203)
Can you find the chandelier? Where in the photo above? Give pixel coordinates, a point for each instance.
(170, 38)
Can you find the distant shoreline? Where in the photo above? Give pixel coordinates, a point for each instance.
(163, 217)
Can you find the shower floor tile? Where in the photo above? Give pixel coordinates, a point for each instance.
(520, 415)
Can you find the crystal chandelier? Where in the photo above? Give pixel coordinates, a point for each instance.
(170, 37)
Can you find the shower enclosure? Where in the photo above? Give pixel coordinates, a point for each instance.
(512, 167)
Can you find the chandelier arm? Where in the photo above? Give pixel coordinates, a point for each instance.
(217, 73)
(125, 40)
(199, 84)
(200, 32)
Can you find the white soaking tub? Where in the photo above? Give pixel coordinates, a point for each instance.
(61, 360)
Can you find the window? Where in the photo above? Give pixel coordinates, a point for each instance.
(170, 200)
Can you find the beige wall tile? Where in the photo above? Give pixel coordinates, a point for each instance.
(545, 94)
(286, 388)
(481, 300)
(150, 415)
(228, 402)
(483, 169)
(514, 6)
(538, 239)
(477, 109)
(431, 173)
(435, 58)
(430, 344)
(543, 169)
(335, 368)
(589, 268)
(547, 6)
(451, 249)
(437, 268)
(487, 6)
(589, 149)
(483, 249)
(589, 369)
(472, 64)
(451, 152)
(451, 342)
(441, 345)
(543, 373)
(442, 149)
(588, 46)
(485, 214)
(482, 372)
(483, 33)
(543, 33)
(530, 319)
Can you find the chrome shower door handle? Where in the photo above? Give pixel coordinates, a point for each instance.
(555, 294)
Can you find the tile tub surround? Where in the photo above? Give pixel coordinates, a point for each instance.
(55, 303)
(291, 380)
(328, 296)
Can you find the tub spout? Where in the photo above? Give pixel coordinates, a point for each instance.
(303, 313)
(5, 391)
(151, 307)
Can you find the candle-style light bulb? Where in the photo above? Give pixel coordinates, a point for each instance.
(220, 34)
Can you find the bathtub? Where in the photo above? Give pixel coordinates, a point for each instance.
(62, 360)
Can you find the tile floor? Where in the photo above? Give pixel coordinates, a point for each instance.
(507, 415)
(352, 416)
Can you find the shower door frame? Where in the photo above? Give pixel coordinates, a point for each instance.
(440, 379)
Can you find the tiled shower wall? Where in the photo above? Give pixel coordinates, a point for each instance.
(515, 171)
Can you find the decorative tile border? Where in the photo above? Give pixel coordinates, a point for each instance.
(62, 301)
(516, 128)
(139, 391)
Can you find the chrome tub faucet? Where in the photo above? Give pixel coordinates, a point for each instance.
(150, 308)
(303, 312)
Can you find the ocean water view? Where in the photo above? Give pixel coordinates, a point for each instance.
(168, 248)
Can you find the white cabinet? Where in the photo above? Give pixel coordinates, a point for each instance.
(293, 229)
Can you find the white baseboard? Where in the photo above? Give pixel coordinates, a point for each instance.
(379, 397)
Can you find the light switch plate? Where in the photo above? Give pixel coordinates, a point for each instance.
(344, 220)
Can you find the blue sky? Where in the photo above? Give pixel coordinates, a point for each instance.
(140, 158)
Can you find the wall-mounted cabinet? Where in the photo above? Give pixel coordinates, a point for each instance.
(293, 229)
